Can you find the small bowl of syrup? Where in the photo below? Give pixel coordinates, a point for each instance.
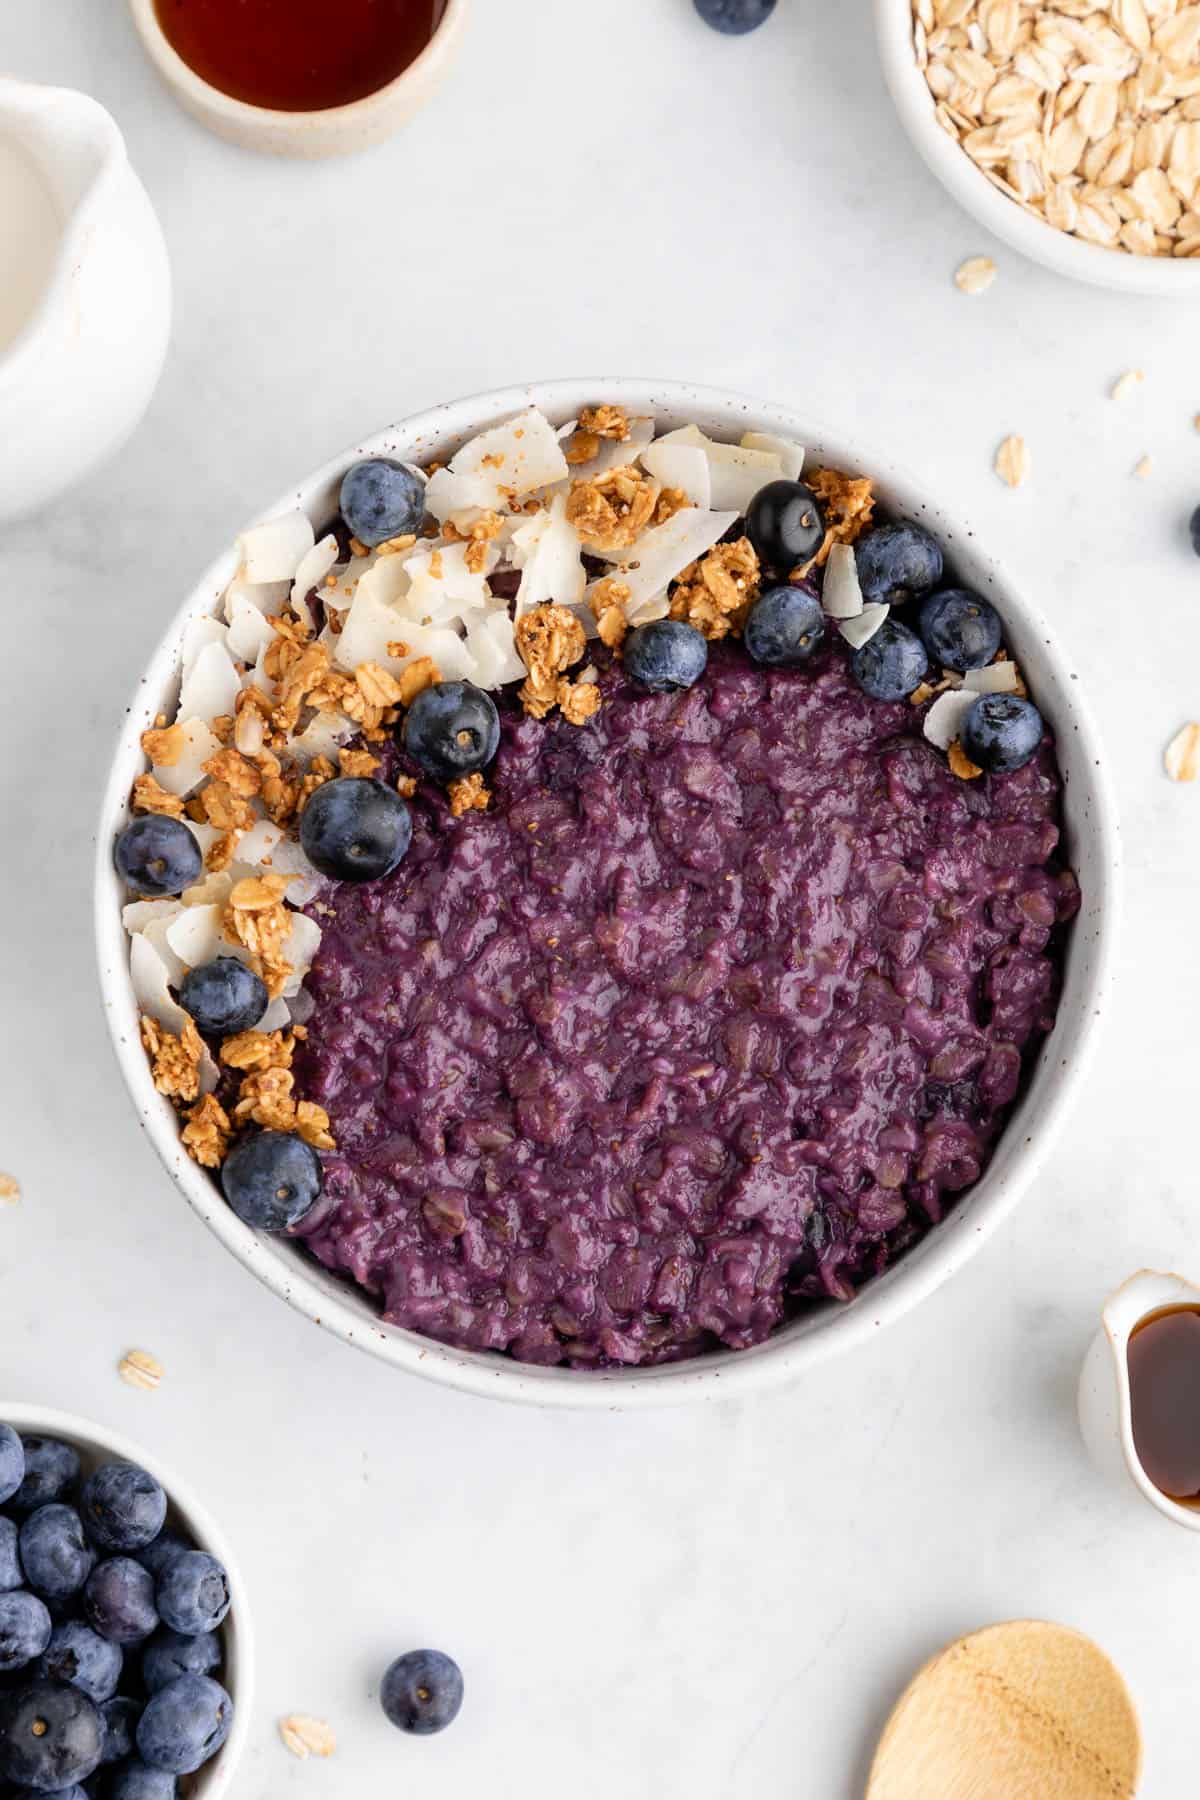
(301, 77)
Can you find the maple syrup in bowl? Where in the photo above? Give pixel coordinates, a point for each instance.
(1163, 1358)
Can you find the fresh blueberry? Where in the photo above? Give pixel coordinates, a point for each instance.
(785, 525)
(1001, 733)
(665, 656)
(355, 829)
(184, 1724)
(735, 17)
(74, 1792)
(890, 664)
(119, 1601)
(382, 499)
(156, 856)
(11, 1574)
(224, 997)
(452, 730)
(120, 1718)
(961, 630)
(785, 627)
(193, 1593)
(51, 1736)
(897, 563)
(76, 1654)
(170, 1654)
(1194, 528)
(55, 1554)
(422, 1692)
(123, 1507)
(271, 1179)
(166, 1545)
(24, 1629)
(136, 1780)
(51, 1471)
(12, 1463)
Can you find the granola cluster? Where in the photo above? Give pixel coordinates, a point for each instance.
(847, 504)
(610, 511)
(550, 641)
(716, 593)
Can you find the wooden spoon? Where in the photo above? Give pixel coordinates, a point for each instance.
(1017, 1712)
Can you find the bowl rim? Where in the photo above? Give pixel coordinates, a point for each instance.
(214, 1781)
(1166, 277)
(290, 1273)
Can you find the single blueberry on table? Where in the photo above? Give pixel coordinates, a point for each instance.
(51, 1736)
(79, 1656)
(271, 1179)
(382, 499)
(785, 524)
(452, 729)
(735, 17)
(193, 1593)
(157, 856)
(170, 1654)
(355, 829)
(785, 627)
(890, 664)
(123, 1507)
(51, 1471)
(11, 1573)
(136, 1780)
(55, 1554)
(665, 656)
(1001, 733)
(961, 630)
(24, 1630)
(120, 1718)
(422, 1692)
(119, 1601)
(897, 563)
(224, 997)
(12, 1463)
(184, 1724)
(166, 1545)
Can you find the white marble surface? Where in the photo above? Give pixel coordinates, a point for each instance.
(715, 1603)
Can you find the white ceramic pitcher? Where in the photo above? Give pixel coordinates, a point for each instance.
(78, 375)
(1105, 1412)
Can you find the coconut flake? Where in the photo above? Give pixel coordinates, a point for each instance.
(644, 612)
(458, 497)
(737, 472)
(791, 454)
(140, 913)
(513, 458)
(996, 678)
(681, 466)
(195, 935)
(842, 596)
(943, 721)
(300, 948)
(373, 622)
(250, 630)
(491, 646)
(198, 635)
(268, 597)
(618, 453)
(861, 629)
(274, 550)
(324, 735)
(211, 686)
(288, 858)
(664, 551)
(553, 566)
(187, 772)
(314, 567)
(277, 1017)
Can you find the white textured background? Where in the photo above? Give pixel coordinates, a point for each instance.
(718, 1603)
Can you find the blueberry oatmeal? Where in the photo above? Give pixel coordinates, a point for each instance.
(602, 897)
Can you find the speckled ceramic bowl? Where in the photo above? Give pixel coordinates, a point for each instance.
(1092, 845)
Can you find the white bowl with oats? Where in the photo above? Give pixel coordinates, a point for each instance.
(1071, 133)
(519, 450)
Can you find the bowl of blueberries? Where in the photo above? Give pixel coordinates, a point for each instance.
(125, 1661)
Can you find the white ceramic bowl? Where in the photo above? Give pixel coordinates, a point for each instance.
(1092, 843)
(331, 131)
(97, 1444)
(1164, 276)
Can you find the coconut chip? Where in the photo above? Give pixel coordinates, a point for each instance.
(944, 720)
(842, 596)
(861, 630)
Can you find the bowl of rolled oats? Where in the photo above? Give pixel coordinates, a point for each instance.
(1070, 128)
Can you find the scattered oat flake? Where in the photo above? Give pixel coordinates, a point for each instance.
(1132, 378)
(1013, 461)
(1144, 469)
(976, 275)
(10, 1190)
(137, 1368)
(1183, 754)
(306, 1737)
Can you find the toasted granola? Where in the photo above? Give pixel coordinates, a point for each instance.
(847, 504)
(419, 675)
(174, 1060)
(149, 797)
(961, 764)
(716, 593)
(577, 701)
(609, 599)
(606, 422)
(164, 745)
(260, 1049)
(611, 510)
(549, 640)
(208, 1133)
(357, 763)
(468, 795)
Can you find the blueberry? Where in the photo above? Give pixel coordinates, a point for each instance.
(51, 1735)
(24, 1629)
(193, 1593)
(156, 856)
(735, 17)
(120, 1718)
(1194, 528)
(961, 630)
(422, 1692)
(382, 499)
(785, 525)
(897, 563)
(271, 1179)
(119, 1601)
(890, 664)
(355, 829)
(785, 627)
(74, 1792)
(123, 1507)
(55, 1554)
(77, 1655)
(170, 1654)
(452, 729)
(1002, 733)
(11, 1575)
(224, 997)
(665, 656)
(135, 1780)
(12, 1463)
(166, 1545)
(184, 1724)
(51, 1471)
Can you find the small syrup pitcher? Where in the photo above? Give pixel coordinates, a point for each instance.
(1139, 1393)
(85, 293)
